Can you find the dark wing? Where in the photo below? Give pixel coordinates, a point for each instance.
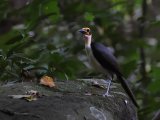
(109, 62)
(105, 57)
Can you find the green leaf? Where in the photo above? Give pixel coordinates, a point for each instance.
(155, 84)
(52, 7)
(88, 16)
(14, 40)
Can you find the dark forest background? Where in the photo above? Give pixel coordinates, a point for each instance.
(40, 37)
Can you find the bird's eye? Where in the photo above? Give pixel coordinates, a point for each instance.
(87, 30)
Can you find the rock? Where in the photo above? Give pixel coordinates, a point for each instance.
(70, 100)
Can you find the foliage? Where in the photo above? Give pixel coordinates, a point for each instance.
(41, 37)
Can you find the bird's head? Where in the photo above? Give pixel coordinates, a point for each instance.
(87, 36)
(85, 31)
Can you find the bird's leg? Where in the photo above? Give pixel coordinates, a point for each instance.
(107, 93)
(108, 86)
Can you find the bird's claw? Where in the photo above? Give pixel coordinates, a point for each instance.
(107, 95)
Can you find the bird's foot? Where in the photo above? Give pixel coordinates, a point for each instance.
(108, 87)
(107, 95)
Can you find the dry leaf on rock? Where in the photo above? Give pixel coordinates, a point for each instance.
(32, 92)
(96, 84)
(31, 95)
(26, 97)
(47, 81)
(31, 98)
(19, 96)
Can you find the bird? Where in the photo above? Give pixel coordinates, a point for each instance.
(102, 59)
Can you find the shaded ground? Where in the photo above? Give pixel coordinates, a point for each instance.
(71, 100)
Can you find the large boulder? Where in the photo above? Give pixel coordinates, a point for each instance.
(70, 100)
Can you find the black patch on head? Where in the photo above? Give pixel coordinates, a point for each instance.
(88, 31)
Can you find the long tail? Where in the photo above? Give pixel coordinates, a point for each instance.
(127, 89)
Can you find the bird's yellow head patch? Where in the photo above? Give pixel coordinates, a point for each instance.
(85, 31)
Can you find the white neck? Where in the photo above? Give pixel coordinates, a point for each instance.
(87, 39)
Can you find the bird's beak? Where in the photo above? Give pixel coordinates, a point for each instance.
(81, 31)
